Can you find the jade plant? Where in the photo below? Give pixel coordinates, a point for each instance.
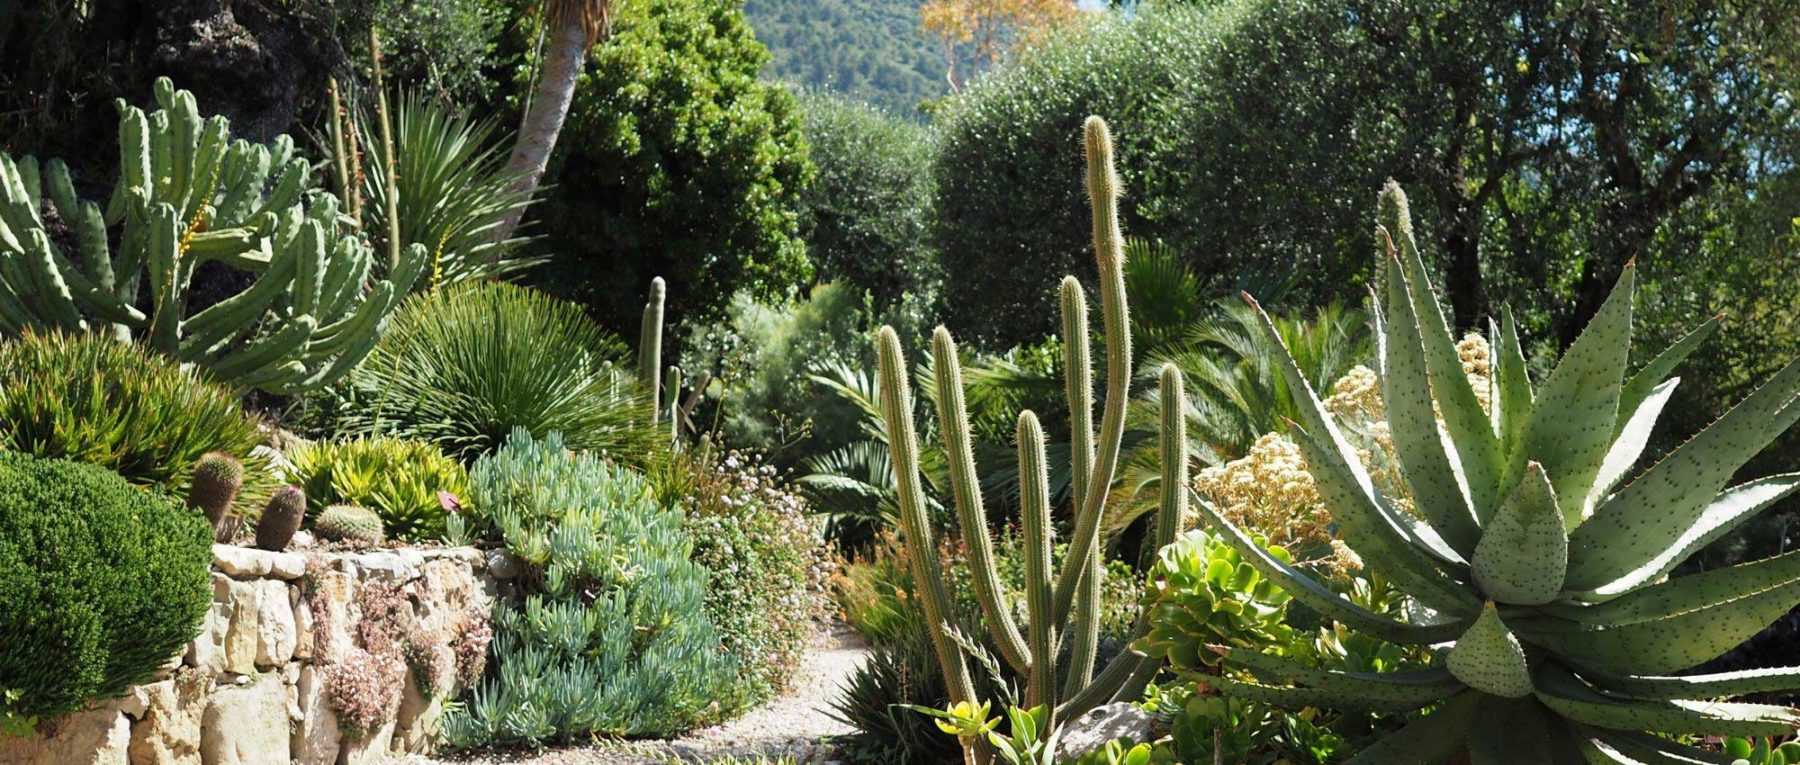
(1061, 605)
(189, 196)
(1541, 574)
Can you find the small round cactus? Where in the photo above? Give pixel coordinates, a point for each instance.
(349, 523)
(281, 518)
(217, 479)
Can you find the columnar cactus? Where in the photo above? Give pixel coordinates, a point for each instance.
(188, 195)
(1543, 571)
(281, 519)
(1060, 605)
(217, 479)
(650, 346)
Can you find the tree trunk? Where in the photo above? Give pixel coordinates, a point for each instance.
(563, 57)
(1462, 278)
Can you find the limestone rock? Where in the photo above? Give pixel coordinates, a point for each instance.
(241, 636)
(387, 566)
(286, 565)
(98, 735)
(1108, 722)
(246, 725)
(447, 591)
(241, 562)
(329, 598)
(369, 750)
(416, 725)
(169, 733)
(316, 739)
(502, 565)
(275, 631)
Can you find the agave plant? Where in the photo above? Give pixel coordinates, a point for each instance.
(1542, 575)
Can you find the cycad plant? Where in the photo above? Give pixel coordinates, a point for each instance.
(1060, 605)
(1540, 572)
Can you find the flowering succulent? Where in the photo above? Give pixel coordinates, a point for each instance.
(1540, 572)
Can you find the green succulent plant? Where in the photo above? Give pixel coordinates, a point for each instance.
(349, 523)
(188, 196)
(403, 481)
(1203, 593)
(1539, 571)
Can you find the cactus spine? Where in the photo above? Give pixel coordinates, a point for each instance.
(349, 523)
(187, 195)
(217, 479)
(650, 346)
(1057, 603)
(281, 518)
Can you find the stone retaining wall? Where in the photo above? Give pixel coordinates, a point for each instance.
(256, 687)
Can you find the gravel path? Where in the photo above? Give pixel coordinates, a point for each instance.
(792, 725)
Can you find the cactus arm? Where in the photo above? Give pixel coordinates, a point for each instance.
(1034, 507)
(210, 330)
(134, 149)
(266, 350)
(1109, 252)
(650, 344)
(31, 183)
(163, 260)
(309, 257)
(60, 188)
(55, 294)
(209, 165)
(953, 424)
(672, 384)
(388, 166)
(1078, 381)
(365, 321)
(280, 377)
(340, 166)
(248, 164)
(182, 135)
(915, 524)
(287, 189)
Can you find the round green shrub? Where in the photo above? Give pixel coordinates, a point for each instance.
(89, 398)
(100, 583)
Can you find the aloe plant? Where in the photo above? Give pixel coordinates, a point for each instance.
(1543, 575)
(1060, 604)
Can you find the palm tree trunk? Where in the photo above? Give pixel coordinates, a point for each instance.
(567, 50)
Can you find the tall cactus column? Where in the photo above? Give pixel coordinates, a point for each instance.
(1058, 605)
(650, 346)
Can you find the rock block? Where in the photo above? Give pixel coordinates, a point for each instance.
(246, 725)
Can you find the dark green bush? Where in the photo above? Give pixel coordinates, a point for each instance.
(768, 564)
(611, 637)
(866, 216)
(89, 398)
(463, 366)
(100, 583)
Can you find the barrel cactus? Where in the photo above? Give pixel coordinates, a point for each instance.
(281, 518)
(1540, 572)
(188, 195)
(349, 523)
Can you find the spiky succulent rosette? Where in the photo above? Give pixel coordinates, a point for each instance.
(1544, 571)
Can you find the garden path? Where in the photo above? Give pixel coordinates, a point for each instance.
(793, 725)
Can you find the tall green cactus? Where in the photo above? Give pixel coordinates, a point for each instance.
(650, 346)
(188, 195)
(1060, 605)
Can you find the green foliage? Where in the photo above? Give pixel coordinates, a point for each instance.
(867, 51)
(463, 366)
(612, 638)
(188, 196)
(454, 191)
(349, 523)
(91, 399)
(448, 47)
(1203, 594)
(100, 583)
(756, 538)
(1761, 751)
(899, 672)
(1524, 500)
(402, 481)
(866, 216)
(670, 127)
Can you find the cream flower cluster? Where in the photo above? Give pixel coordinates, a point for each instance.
(1269, 492)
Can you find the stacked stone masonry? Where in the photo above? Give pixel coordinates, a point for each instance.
(254, 687)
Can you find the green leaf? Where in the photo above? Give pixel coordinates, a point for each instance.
(1297, 698)
(1517, 731)
(1321, 598)
(1674, 625)
(1639, 386)
(1604, 747)
(1429, 740)
(1404, 690)
(1406, 389)
(1524, 553)
(1568, 696)
(1490, 659)
(1727, 511)
(1715, 685)
(1662, 506)
(1628, 445)
(1572, 421)
(1511, 399)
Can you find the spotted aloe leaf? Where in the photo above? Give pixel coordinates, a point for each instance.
(1604, 747)
(1575, 700)
(1524, 552)
(1707, 686)
(1490, 659)
(1652, 375)
(1300, 697)
(1661, 506)
(1628, 445)
(1429, 740)
(1437, 487)
(1572, 422)
(1673, 625)
(1515, 731)
(1511, 397)
(1725, 512)
(1403, 690)
(1321, 598)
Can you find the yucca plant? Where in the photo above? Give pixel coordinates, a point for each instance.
(1539, 571)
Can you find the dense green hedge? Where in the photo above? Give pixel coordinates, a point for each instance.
(100, 583)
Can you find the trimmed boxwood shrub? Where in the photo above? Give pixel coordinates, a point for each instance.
(100, 583)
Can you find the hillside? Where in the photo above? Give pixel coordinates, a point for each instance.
(870, 50)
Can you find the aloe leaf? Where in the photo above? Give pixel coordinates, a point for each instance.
(1406, 390)
(1511, 396)
(1490, 659)
(1323, 599)
(1524, 553)
(1429, 740)
(1639, 386)
(1568, 696)
(1674, 625)
(1661, 506)
(1297, 698)
(1408, 690)
(1714, 685)
(1628, 444)
(1604, 747)
(1727, 511)
(1577, 407)
(1514, 731)
(1365, 523)
(1477, 447)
